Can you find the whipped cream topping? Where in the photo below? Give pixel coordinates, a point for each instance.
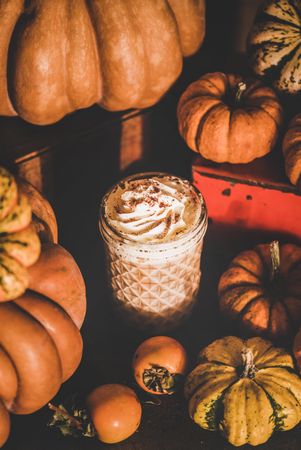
(154, 209)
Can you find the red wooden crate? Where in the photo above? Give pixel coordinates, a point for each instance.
(254, 196)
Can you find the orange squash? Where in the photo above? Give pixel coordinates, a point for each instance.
(41, 313)
(63, 55)
(228, 119)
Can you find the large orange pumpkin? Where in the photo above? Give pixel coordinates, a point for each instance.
(57, 56)
(40, 342)
(229, 119)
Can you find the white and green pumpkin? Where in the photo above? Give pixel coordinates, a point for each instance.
(274, 44)
(247, 389)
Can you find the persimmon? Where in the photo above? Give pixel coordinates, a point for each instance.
(159, 365)
(115, 412)
(112, 413)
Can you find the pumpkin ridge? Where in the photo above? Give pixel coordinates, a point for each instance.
(48, 299)
(263, 110)
(26, 313)
(288, 313)
(245, 284)
(278, 421)
(292, 148)
(237, 264)
(247, 307)
(276, 69)
(263, 16)
(202, 383)
(203, 120)
(53, 302)
(266, 366)
(216, 406)
(12, 308)
(218, 363)
(220, 405)
(277, 406)
(146, 59)
(6, 403)
(227, 305)
(190, 393)
(216, 410)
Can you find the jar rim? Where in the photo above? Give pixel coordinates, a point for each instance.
(201, 222)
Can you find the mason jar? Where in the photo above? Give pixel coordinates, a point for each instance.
(154, 274)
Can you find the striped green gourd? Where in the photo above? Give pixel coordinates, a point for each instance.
(274, 44)
(247, 389)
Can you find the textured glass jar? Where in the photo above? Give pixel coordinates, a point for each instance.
(154, 284)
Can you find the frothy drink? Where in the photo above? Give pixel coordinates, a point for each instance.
(153, 225)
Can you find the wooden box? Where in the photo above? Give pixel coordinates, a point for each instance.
(254, 196)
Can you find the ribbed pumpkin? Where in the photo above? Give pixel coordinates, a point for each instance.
(228, 119)
(245, 389)
(261, 290)
(274, 44)
(291, 147)
(57, 56)
(40, 342)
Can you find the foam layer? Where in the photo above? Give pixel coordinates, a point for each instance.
(153, 209)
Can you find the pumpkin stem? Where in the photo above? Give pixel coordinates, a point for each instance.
(241, 87)
(249, 368)
(159, 379)
(77, 423)
(275, 258)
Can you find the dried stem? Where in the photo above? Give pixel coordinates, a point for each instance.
(62, 411)
(249, 368)
(275, 258)
(241, 87)
(77, 423)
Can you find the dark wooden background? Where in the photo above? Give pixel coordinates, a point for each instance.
(80, 156)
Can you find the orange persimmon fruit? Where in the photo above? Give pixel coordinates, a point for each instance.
(111, 413)
(115, 412)
(159, 365)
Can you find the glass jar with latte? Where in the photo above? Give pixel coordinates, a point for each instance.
(153, 225)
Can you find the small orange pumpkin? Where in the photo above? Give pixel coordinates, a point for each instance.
(261, 290)
(228, 119)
